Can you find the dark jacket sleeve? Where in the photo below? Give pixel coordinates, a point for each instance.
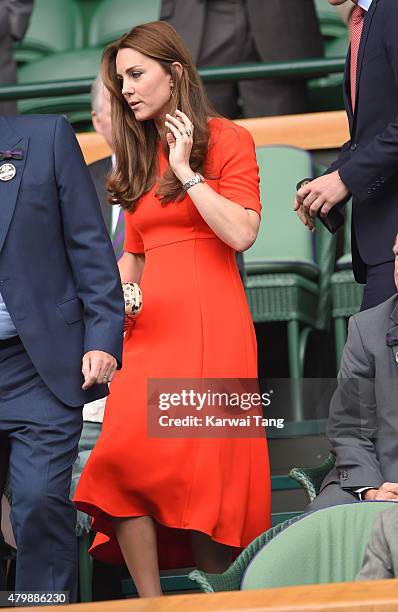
(88, 246)
(376, 162)
(352, 424)
(343, 157)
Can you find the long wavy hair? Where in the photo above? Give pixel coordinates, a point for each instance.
(136, 142)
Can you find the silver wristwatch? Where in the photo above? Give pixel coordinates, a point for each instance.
(198, 178)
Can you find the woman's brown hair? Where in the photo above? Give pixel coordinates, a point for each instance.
(136, 143)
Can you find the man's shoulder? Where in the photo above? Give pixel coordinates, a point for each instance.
(378, 315)
(101, 165)
(388, 521)
(391, 516)
(27, 125)
(32, 119)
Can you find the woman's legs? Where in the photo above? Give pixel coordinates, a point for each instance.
(210, 556)
(138, 543)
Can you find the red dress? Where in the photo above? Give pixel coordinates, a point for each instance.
(195, 323)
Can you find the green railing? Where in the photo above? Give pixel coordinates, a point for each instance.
(301, 69)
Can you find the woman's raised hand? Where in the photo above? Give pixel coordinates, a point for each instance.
(180, 141)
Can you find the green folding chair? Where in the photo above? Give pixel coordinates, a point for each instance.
(113, 18)
(55, 25)
(80, 63)
(332, 542)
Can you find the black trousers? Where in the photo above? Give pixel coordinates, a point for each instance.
(379, 286)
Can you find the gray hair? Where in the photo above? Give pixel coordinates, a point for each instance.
(96, 94)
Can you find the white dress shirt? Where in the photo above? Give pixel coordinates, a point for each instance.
(365, 4)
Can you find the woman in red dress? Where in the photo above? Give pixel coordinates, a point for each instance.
(170, 501)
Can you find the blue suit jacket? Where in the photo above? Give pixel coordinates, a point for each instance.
(368, 162)
(58, 274)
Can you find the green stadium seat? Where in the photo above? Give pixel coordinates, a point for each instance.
(55, 25)
(282, 277)
(115, 17)
(337, 47)
(346, 292)
(326, 93)
(311, 478)
(81, 63)
(322, 547)
(331, 25)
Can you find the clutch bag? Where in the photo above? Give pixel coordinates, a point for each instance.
(132, 299)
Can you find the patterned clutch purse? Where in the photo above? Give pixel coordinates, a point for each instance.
(132, 299)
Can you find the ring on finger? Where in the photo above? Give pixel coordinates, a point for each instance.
(188, 132)
(106, 378)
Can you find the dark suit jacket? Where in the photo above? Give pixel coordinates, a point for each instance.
(14, 21)
(98, 171)
(58, 274)
(282, 29)
(363, 420)
(368, 162)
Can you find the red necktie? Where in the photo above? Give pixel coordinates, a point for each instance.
(356, 32)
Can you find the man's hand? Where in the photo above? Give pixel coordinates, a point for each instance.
(321, 194)
(98, 367)
(302, 215)
(387, 492)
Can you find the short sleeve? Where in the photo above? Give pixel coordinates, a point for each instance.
(133, 242)
(239, 179)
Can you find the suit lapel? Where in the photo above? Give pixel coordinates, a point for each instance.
(100, 170)
(364, 37)
(392, 333)
(347, 87)
(9, 189)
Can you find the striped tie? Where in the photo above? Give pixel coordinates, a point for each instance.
(356, 32)
(118, 235)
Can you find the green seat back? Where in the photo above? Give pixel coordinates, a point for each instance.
(55, 25)
(337, 47)
(330, 23)
(81, 63)
(282, 238)
(115, 17)
(326, 93)
(323, 547)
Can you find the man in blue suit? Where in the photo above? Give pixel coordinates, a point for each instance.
(61, 330)
(367, 166)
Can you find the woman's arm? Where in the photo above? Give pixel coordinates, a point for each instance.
(131, 266)
(231, 222)
(235, 225)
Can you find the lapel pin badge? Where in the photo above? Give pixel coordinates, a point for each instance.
(7, 172)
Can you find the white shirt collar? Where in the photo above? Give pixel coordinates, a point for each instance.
(365, 4)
